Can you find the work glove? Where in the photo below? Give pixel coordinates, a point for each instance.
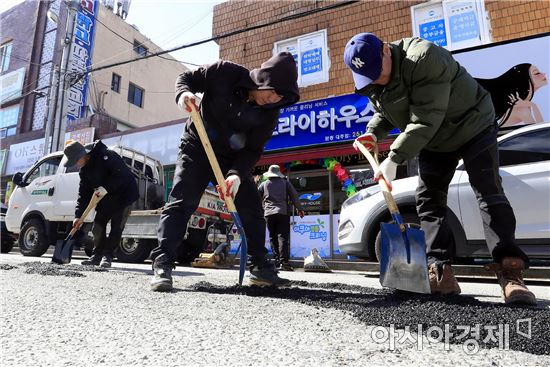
(232, 183)
(100, 192)
(188, 96)
(368, 140)
(388, 169)
(77, 223)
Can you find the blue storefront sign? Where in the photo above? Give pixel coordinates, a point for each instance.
(434, 32)
(324, 121)
(80, 58)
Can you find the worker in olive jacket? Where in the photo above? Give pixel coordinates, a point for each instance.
(240, 109)
(444, 115)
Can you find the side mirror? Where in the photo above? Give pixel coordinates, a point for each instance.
(18, 180)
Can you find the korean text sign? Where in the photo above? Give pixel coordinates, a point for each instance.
(80, 57)
(323, 121)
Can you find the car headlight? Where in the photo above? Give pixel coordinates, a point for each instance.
(361, 195)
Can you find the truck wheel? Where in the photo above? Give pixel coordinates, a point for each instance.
(192, 246)
(33, 240)
(409, 218)
(134, 250)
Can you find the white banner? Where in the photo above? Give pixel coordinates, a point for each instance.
(11, 85)
(23, 155)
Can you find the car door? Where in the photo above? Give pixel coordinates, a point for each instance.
(525, 172)
(68, 182)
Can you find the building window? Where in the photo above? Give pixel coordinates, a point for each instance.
(5, 52)
(140, 49)
(453, 24)
(115, 83)
(310, 53)
(135, 95)
(8, 121)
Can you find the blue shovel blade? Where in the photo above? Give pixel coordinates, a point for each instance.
(403, 264)
(244, 246)
(63, 251)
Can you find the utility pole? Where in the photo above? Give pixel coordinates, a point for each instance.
(52, 101)
(63, 80)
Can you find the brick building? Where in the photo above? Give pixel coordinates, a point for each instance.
(389, 20)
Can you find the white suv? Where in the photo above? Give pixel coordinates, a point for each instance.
(525, 171)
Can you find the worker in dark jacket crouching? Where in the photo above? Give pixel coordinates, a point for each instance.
(240, 109)
(102, 173)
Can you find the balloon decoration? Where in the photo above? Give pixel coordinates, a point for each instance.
(332, 165)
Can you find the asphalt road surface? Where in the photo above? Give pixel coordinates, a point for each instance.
(84, 316)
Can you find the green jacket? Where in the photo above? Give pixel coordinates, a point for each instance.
(430, 98)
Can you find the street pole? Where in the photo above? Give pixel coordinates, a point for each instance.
(63, 82)
(52, 101)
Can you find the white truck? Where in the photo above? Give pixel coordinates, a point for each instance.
(41, 209)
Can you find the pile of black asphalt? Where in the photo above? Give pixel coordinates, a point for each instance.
(385, 307)
(7, 267)
(68, 270)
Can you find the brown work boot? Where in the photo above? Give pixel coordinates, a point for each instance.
(510, 277)
(442, 280)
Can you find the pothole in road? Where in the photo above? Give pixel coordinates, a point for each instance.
(52, 269)
(453, 319)
(7, 267)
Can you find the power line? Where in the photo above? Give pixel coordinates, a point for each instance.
(140, 44)
(226, 35)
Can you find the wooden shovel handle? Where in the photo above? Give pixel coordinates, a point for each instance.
(373, 160)
(199, 125)
(92, 204)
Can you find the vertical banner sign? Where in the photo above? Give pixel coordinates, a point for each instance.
(310, 52)
(464, 24)
(80, 58)
(431, 24)
(311, 57)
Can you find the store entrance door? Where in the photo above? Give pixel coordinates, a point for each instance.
(316, 229)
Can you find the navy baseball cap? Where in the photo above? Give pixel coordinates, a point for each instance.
(363, 55)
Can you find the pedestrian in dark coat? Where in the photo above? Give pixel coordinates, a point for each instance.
(276, 192)
(240, 109)
(103, 173)
(444, 115)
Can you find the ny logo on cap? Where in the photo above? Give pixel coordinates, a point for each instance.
(357, 62)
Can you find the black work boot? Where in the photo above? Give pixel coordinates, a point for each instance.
(95, 259)
(106, 262)
(285, 265)
(266, 275)
(162, 274)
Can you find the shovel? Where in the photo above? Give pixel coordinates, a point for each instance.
(64, 249)
(199, 125)
(403, 264)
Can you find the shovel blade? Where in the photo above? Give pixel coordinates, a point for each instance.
(403, 264)
(63, 251)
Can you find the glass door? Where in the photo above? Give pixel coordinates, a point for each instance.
(315, 230)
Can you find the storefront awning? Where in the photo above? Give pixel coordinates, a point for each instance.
(314, 153)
